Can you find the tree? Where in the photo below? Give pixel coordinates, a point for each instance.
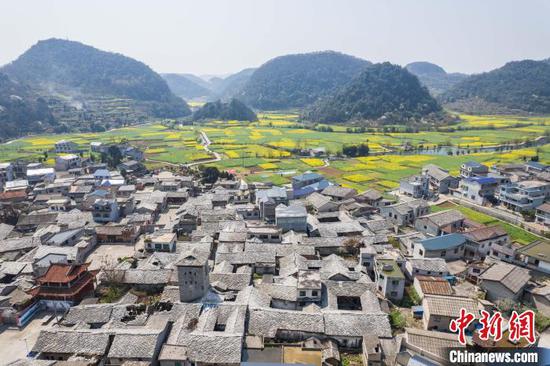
(114, 156)
(210, 175)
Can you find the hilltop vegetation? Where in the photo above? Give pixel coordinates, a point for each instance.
(21, 111)
(434, 77)
(73, 69)
(517, 87)
(232, 110)
(295, 81)
(381, 91)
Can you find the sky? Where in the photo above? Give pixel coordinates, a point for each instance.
(224, 36)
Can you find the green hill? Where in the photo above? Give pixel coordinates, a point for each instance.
(21, 111)
(72, 69)
(295, 81)
(517, 87)
(232, 110)
(381, 91)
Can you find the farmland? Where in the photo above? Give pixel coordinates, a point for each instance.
(267, 150)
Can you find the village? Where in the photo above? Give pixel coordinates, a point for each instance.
(109, 263)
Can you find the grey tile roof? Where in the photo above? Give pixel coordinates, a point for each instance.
(90, 314)
(432, 342)
(16, 244)
(87, 343)
(213, 348)
(444, 218)
(134, 345)
(512, 277)
(266, 322)
(231, 281)
(429, 264)
(448, 305)
(348, 324)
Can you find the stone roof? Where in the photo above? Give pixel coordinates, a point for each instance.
(231, 281)
(444, 218)
(139, 345)
(90, 314)
(429, 264)
(86, 343)
(266, 322)
(539, 249)
(213, 348)
(510, 276)
(448, 305)
(147, 277)
(356, 324)
(5, 230)
(432, 342)
(486, 233)
(337, 191)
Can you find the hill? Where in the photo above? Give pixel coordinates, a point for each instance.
(295, 81)
(232, 110)
(434, 77)
(517, 87)
(233, 84)
(22, 112)
(382, 90)
(185, 87)
(73, 69)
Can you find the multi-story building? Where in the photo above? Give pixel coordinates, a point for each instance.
(66, 162)
(6, 173)
(105, 210)
(524, 196)
(416, 186)
(479, 190)
(440, 179)
(472, 169)
(293, 217)
(542, 214)
(390, 279)
(64, 146)
(193, 280)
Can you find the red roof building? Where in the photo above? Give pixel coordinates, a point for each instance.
(65, 282)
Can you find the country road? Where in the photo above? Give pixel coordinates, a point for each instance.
(205, 143)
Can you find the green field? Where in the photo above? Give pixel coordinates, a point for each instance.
(264, 150)
(159, 143)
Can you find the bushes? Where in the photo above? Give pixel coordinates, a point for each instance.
(397, 320)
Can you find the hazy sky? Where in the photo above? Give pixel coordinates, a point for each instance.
(223, 36)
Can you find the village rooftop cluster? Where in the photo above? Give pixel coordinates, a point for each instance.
(125, 266)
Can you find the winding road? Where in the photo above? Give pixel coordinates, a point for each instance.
(205, 144)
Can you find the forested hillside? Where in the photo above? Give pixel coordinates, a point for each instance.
(381, 91)
(295, 81)
(517, 87)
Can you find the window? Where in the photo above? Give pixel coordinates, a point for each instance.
(314, 293)
(395, 282)
(421, 252)
(444, 253)
(302, 293)
(393, 294)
